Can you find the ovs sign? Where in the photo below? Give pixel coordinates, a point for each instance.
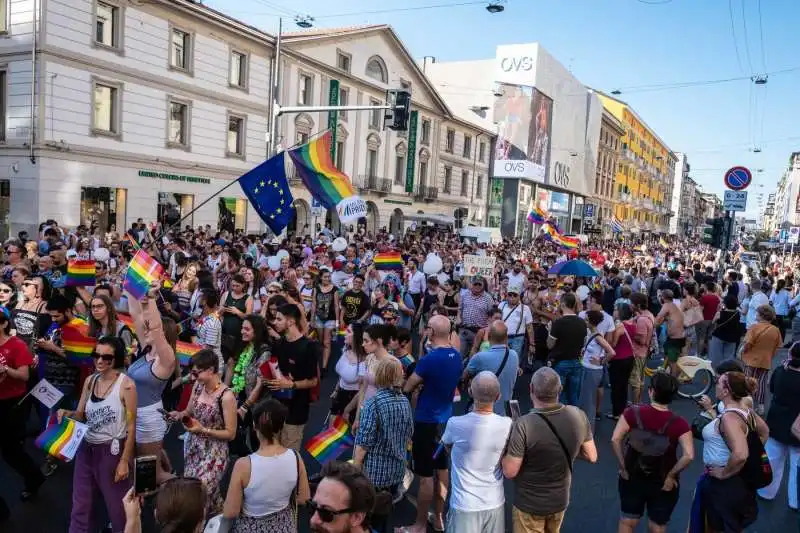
(516, 64)
(561, 175)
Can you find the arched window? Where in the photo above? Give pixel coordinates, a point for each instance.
(376, 69)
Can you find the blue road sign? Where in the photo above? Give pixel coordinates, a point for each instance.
(738, 178)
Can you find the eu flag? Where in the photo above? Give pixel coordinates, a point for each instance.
(268, 190)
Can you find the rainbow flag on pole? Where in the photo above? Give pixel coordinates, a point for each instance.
(389, 261)
(332, 442)
(327, 184)
(184, 352)
(62, 440)
(77, 343)
(80, 273)
(142, 271)
(537, 215)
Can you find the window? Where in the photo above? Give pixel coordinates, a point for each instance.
(181, 50)
(3, 16)
(343, 61)
(344, 94)
(301, 137)
(399, 170)
(464, 182)
(3, 91)
(372, 163)
(423, 172)
(448, 179)
(238, 69)
(236, 136)
(426, 132)
(178, 134)
(105, 108)
(479, 187)
(306, 84)
(467, 146)
(481, 151)
(450, 141)
(375, 115)
(376, 69)
(107, 25)
(340, 154)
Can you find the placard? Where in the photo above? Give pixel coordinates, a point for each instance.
(476, 265)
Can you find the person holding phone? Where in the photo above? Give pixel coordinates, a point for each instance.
(102, 464)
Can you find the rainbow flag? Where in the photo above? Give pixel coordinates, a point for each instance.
(332, 442)
(62, 440)
(406, 361)
(127, 320)
(77, 343)
(537, 215)
(569, 242)
(81, 273)
(131, 241)
(389, 261)
(327, 184)
(142, 271)
(184, 352)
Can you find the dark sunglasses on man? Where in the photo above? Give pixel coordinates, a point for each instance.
(325, 514)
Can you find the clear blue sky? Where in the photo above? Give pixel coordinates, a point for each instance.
(612, 44)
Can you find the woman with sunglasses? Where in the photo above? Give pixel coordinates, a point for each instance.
(8, 295)
(102, 464)
(324, 310)
(103, 321)
(30, 316)
(266, 486)
(210, 419)
(16, 361)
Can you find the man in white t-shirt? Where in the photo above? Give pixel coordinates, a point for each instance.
(517, 276)
(476, 441)
(756, 300)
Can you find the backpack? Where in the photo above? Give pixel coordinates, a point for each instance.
(645, 449)
(757, 471)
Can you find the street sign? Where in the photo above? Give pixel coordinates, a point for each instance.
(316, 208)
(588, 211)
(738, 178)
(794, 235)
(735, 201)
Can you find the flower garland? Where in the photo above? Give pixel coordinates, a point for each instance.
(238, 381)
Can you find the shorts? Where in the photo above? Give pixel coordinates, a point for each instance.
(424, 445)
(636, 380)
(673, 348)
(324, 324)
(150, 425)
(638, 495)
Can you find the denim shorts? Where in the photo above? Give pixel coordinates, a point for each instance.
(326, 324)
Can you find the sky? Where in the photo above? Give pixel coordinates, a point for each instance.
(651, 50)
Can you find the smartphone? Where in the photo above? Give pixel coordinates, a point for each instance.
(144, 474)
(163, 412)
(513, 407)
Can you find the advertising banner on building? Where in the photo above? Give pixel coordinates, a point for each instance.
(411, 157)
(333, 116)
(539, 139)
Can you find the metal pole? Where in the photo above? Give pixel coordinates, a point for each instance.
(276, 93)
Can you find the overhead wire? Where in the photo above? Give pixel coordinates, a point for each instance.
(733, 36)
(746, 39)
(278, 7)
(402, 9)
(761, 38)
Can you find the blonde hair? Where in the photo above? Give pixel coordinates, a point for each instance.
(388, 373)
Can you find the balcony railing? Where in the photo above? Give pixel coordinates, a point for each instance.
(427, 193)
(365, 182)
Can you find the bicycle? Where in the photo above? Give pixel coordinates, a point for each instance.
(696, 376)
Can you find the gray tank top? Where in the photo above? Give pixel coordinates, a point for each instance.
(149, 387)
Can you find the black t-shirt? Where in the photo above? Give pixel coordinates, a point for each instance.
(354, 305)
(300, 359)
(570, 333)
(31, 325)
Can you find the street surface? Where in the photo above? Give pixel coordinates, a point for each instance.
(594, 506)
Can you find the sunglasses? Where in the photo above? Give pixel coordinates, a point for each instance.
(197, 371)
(106, 357)
(272, 291)
(29, 284)
(325, 514)
(6, 291)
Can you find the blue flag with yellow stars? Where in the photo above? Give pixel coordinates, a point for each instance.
(268, 190)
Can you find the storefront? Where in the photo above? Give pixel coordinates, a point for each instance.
(173, 206)
(232, 214)
(103, 207)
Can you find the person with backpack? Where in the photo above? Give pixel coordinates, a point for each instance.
(736, 465)
(645, 442)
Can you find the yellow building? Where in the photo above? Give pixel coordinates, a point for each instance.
(644, 175)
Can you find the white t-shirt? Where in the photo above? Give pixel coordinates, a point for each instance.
(516, 280)
(605, 326)
(516, 318)
(478, 441)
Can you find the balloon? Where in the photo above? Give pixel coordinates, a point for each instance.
(102, 255)
(433, 265)
(274, 263)
(339, 244)
(281, 254)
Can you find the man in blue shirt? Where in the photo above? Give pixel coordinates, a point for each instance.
(499, 360)
(440, 370)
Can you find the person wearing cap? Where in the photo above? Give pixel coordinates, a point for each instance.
(518, 320)
(473, 313)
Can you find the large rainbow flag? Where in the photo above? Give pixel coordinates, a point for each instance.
(553, 234)
(81, 273)
(328, 185)
(62, 440)
(332, 442)
(142, 271)
(77, 343)
(389, 261)
(537, 215)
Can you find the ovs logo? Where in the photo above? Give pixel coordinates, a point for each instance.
(517, 64)
(561, 175)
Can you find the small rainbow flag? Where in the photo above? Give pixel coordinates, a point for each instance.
(406, 361)
(185, 350)
(127, 320)
(62, 440)
(327, 184)
(81, 273)
(77, 343)
(342, 330)
(537, 215)
(332, 442)
(389, 261)
(131, 241)
(569, 242)
(142, 271)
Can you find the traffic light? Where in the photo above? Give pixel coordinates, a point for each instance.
(714, 232)
(400, 100)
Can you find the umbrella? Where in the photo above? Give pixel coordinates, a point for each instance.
(573, 268)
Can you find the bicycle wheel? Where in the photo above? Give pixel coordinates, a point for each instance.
(696, 386)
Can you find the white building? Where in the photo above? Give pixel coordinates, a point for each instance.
(552, 140)
(148, 109)
(682, 169)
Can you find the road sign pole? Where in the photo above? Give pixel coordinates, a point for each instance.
(729, 237)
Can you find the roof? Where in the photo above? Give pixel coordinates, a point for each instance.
(312, 33)
(640, 119)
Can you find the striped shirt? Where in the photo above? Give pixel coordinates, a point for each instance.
(475, 309)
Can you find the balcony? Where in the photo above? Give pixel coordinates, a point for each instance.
(648, 204)
(427, 194)
(365, 182)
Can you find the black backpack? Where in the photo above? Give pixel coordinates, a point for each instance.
(645, 449)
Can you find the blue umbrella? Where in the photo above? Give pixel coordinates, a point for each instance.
(573, 268)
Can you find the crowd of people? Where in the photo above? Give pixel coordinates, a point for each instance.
(411, 346)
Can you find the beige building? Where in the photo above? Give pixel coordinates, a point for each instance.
(602, 195)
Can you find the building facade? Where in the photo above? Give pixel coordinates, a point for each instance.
(602, 198)
(681, 173)
(645, 173)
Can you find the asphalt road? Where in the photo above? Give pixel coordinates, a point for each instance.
(594, 503)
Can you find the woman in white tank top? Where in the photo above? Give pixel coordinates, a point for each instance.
(102, 464)
(266, 486)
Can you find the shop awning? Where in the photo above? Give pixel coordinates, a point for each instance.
(437, 219)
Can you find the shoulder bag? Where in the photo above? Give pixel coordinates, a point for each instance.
(567, 455)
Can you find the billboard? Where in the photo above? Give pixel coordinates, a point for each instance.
(524, 119)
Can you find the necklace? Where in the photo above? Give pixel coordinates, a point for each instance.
(238, 381)
(108, 388)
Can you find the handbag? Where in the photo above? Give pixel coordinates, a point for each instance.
(699, 422)
(692, 316)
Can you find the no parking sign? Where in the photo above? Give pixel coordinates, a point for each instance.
(738, 178)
